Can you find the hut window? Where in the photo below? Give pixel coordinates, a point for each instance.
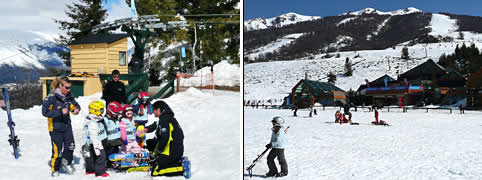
(122, 58)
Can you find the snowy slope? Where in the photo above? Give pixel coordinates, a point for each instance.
(273, 46)
(442, 25)
(27, 49)
(418, 145)
(280, 21)
(398, 12)
(267, 80)
(210, 124)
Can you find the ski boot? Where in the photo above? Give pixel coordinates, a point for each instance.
(186, 166)
(281, 174)
(55, 174)
(69, 169)
(270, 174)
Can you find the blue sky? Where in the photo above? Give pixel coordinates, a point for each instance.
(272, 8)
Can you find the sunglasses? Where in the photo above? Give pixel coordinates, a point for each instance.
(115, 76)
(66, 87)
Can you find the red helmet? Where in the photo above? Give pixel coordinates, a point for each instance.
(114, 109)
(143, 95)
(127, 107)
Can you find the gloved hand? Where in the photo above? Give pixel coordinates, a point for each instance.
(97, 152)
(141, 132)
(268, 145)
(124, 142)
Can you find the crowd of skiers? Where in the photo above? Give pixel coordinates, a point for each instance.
(121, 129)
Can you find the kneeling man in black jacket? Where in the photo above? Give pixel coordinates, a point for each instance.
(167, 146)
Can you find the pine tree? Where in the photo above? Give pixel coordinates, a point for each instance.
(405, 53)
(348, 67)
(331, 78)
(84, 15)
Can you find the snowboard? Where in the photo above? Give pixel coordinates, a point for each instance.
(14, 141)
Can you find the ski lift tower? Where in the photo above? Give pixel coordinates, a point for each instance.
(140, 29)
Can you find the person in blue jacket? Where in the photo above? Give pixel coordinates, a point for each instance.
(57, 107)
(278, 145)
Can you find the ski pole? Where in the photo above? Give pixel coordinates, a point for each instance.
(250, 168)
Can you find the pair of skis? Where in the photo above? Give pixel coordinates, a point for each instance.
(134, 162)
(13, 140)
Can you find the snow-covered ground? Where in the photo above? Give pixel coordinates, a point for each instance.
(210, 124)
(225, 74)
(274, 46)
(418, 145)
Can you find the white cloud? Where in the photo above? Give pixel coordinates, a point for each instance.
(38, 15)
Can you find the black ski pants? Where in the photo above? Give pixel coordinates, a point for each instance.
(280, 153)
(167, 166)
(95, 163)
(62, 147)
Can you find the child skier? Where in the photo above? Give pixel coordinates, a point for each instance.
(93, 150)
(142, 108)
(128, 130)
(278, 145)
(378, 122)
(112, 127)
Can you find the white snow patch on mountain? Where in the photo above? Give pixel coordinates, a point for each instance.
(398, 12)
(380, 26)
(442, 25)
(346, 20)
(341, 41)
(273, 46)
(280, 21)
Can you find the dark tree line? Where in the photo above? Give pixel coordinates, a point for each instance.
(467, 23)
(465, 60)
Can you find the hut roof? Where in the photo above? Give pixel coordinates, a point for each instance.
(99, 38)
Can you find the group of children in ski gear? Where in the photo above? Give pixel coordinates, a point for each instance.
(120, 129)
(110, 134)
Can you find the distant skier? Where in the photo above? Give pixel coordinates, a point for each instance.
(93, 150)
(346, 111)
(377, 121)
(57, 107)
(278, 145)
